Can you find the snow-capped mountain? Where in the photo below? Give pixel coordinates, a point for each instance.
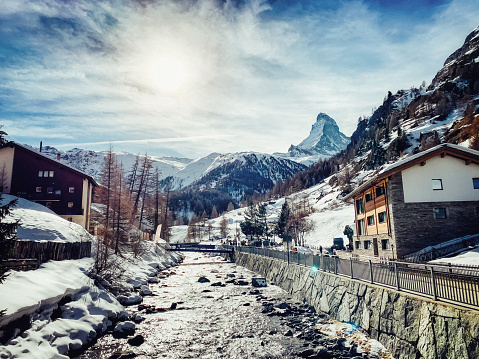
(91, 162)
(237, 174)
(245, 173)
(324, 141)
(192, 171)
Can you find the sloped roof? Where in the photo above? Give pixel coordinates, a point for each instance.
(59, 163)
(445, 149)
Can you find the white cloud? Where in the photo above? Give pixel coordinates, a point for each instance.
(254, 80)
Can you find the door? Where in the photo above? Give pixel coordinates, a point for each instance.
(375, 247)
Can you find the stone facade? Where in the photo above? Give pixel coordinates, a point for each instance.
(409, 326)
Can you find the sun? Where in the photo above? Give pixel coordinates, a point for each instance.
(168, 74)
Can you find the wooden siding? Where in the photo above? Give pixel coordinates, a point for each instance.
(372, 208)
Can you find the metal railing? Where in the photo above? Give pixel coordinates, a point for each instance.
(458, 284)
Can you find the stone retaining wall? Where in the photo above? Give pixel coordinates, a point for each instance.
(409, 326)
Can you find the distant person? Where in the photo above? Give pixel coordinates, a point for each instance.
(320, 249)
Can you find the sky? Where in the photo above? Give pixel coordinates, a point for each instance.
(187, 78)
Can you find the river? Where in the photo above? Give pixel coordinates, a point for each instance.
(227, 317)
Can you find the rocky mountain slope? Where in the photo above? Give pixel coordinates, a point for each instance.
(243, 174)
(414, 120)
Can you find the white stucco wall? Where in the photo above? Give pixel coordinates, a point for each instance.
(456, 179)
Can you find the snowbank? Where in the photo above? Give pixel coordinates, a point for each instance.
(38, 223)
(58, 306)
(37, 294)
(465, 258)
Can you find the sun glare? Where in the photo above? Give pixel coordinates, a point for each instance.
(168, 74)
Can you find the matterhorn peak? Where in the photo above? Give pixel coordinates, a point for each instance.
(324, 138)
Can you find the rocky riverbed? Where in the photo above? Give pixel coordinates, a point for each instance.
(208, 308)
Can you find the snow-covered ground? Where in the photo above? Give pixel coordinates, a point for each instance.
(468, 257)
(86, 309)
(330, 216)
(38, 223)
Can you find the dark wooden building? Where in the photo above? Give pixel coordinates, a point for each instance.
(31, 175)
(424, 200)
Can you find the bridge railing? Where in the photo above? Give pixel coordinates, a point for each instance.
(458, 284)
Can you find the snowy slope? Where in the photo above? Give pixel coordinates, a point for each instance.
(330, 216)
(192, 171)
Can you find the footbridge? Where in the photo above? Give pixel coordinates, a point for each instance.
(197, 247)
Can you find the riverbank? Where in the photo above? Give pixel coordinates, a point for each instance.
(58, 308)
(207, 307)
(408, 325)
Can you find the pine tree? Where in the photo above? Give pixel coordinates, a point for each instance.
(231, 207)
(8, 233)
(282, 223)
(214, 213)
(262, 224)
(248, 226)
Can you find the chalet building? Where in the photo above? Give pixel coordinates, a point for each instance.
(429, 198)
(31, 175)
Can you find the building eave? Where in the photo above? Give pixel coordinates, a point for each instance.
(59, 163)
(446, 149)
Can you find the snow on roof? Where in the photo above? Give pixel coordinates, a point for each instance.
(38, 223)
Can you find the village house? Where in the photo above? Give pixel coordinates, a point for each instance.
(31, 175)
(426, 199)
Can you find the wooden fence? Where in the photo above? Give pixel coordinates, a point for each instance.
(48, 250)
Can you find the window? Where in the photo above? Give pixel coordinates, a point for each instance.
(440, 213)
(39, 189)
(71, 189)
(367, 244)
(382, 217)
(437, 184)
(379, 191)
(357, 245)
(58, 192)
(40, 173)
(45, 173)
(475, 183)
(51, 173)
(50, 190)
(370, 220)
(369, 197)
(359, 206)
(70, 204)
(385, 244)
(48, 205)
(361, 227)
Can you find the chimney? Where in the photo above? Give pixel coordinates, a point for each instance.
(58, 156)
(41, 144)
